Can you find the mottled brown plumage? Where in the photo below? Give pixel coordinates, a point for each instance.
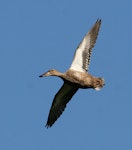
(76, 77)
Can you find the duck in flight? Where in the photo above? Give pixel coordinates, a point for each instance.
(76, 77)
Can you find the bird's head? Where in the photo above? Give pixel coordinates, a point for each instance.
(51, 72)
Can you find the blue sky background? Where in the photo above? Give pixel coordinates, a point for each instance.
(37, 35)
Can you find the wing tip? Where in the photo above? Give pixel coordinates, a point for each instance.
(48, 125)
(99, 20)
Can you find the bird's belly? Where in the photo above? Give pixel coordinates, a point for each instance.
(80, 82)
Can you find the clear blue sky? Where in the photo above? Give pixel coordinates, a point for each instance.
(37, 35)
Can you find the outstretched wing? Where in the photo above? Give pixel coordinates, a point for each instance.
(83, 52)
(59, 103)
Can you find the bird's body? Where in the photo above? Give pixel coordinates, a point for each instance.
(76, 77)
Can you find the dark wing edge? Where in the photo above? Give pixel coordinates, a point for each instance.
(92, 34)
(59, 103)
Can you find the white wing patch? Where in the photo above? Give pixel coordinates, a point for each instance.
(83, 52)
(77, 63)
